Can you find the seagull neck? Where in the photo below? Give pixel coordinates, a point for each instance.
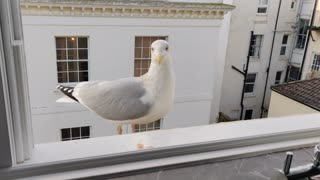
(158, 72)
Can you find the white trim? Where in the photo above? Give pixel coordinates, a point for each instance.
(247, 137)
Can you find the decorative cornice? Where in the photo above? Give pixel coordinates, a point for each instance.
(123, 8)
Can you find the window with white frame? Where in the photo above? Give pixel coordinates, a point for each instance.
(294, 73)
(315, 62)
(284, 44)
(293, 4)
(255, 46)
(262, 6)
(302, 33)
(75, 133)
(248, 114)
(278, 77)
(72, 59)
(250, 82)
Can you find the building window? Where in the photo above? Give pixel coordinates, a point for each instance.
(256, 45)
(315, 63)
(72, 59)
(302, 33)
(294, 73)
(293, 4)
(75, 133)
(284, 43)
(262, 6)
(250, 81)
(248, 114)
(278, 77)
(147, 127)
(142, 53)
(142, 60)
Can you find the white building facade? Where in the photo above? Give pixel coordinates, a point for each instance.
(272, 51)
(73, 41)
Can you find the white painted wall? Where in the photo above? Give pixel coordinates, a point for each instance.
(243, 20)
(193, 45)
(282, 106)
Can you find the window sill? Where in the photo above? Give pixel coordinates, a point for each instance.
(118, 154)
(283, 58)
(249, 95)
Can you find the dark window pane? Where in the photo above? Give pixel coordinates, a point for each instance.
(157, 123)
(85, 131)
(65, 133)
(146, 53)
(248, 114)
(146, 42)
(278, 75)
(83, 54)
(285, 39)
(251, 78)
(83, 66)
(82, 42)
(62, 77)
(262, 10)
(248, 88)
(62, 66)
(83, 76)
(138, 42)
(60, 42)
(137, 52)
(75, 133)
(72, 66)
(292, 5)
(72, 54)
(73, 77)
(283, 50)
(72, 42)
(61, 54)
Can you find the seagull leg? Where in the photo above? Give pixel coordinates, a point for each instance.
(119, 129)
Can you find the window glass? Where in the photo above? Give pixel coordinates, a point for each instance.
(250, 81)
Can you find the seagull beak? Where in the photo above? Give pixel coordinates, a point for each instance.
(159, 58)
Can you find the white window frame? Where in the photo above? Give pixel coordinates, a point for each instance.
(303, 23)
(254, 83)
(284, 45)
(262, 5)
(255, 49)
(315, 66)
(200, 144)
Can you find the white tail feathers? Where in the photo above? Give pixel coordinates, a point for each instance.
(66, 99)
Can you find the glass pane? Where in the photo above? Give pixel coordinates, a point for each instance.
(248, 88)
(72, 66)
(75, 132)
(145, 64)
(72, 54)
(85, 131)
(62, 66)
(137, 64)
(150, 126)
(138, 42)
(262, 10)
(72, 42)
(278, 75)
(82, 42)
(60, 42)
(146, 42)
(137, 72)
(251, 78)
(65, 133)
(285, 39)
(62, 77)
(83, 76)
(143, 127)
(83, 54)
(146, 53)
(283, 50)
(137, 52)
(83, 66)
(248, 114)
(61, 54)
(73, 77)
(157, 123)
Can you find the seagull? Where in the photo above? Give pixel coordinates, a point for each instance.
(132, 100)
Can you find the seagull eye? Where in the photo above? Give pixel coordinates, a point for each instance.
(167, 48)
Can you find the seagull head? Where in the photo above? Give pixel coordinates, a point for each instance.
(159, 51)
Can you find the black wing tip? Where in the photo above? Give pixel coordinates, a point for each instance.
(67, 91)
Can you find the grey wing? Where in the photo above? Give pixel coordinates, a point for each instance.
(114, 100)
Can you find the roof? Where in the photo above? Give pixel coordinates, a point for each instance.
(306, 92)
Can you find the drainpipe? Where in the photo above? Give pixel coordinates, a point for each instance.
(270, 58)
(244, 73)
(308, 38)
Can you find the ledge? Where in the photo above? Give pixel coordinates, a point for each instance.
(203, 143)
(140, 9)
